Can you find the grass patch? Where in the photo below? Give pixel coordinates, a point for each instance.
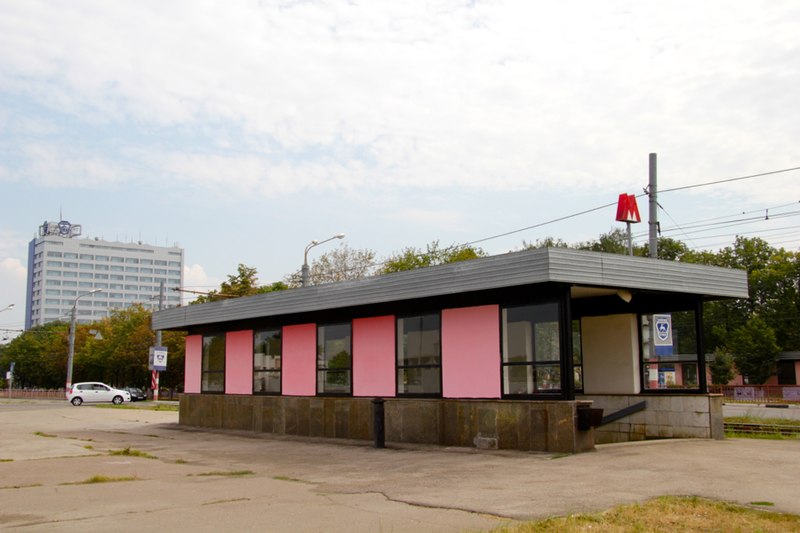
(666, 514)
(6, 460)
(43, 434)
(763, 504)
(22, 486)
(233, 473)
(102, 479)
(89, 447)
(146, 407)
(757, 420)
(287, 478)
(132, 453)
(181, 461)
(762, 436)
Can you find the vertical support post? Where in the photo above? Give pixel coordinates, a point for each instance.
(701, 347)
(652, 193)
(379, 422)
(158, 339)
(630, 239)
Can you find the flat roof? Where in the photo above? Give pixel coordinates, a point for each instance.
(529, 267)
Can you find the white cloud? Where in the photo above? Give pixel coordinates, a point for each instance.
(196, 279)
(282, 98)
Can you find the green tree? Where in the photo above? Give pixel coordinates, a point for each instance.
(754, 350)
(410, 258)
(40, 356)
(243, 283)
(721, 367)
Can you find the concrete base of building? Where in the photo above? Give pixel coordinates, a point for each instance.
(665, 416)
(542, 426)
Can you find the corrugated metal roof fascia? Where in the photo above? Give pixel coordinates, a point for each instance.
(644, 273)
(513, 269)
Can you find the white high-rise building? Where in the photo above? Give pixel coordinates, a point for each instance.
(63, 268)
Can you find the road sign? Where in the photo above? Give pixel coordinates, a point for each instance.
(158, 358)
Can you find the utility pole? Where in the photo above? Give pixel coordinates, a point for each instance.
(652, 193)
(155, 377)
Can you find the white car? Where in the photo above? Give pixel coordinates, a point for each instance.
(96, 392)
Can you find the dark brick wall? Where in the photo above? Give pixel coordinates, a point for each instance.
(505, 424)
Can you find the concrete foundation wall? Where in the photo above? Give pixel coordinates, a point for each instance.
(503, 424)
(666, 416)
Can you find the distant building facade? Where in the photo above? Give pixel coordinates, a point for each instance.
(62, 266)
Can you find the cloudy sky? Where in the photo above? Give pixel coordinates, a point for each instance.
(243, 130)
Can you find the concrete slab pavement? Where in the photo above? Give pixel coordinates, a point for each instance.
(321, 485)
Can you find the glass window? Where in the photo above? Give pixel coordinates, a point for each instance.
(147, 261)
(531, 350)
(55, 273)
(101, 285)
(101, 276)
(87, 266)
(69, 293)
(213, 364)
(117, 259)
(131, 278)
(86, 275)
(577, 355)
(70, 274)
(669, 351)
(85, 284)
(131, 269)
(70, 264)
(267, 347)
(117, 277)
(334, 359)
(419, 355)
(86, 256)
(117, 268)
(160, 262)
(132, 260)
(54, 254)
(101, 267)
(54, 263)
(101, 258)
(70, 255)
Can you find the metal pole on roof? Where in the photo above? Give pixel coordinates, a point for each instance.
(652, 193)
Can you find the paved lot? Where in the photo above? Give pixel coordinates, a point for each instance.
(304, 485)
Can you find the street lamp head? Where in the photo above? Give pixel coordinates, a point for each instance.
(339, 236)
(8, 307)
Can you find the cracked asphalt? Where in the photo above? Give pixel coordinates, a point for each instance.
(185, 479)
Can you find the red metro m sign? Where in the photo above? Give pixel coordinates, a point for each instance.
(627, 209)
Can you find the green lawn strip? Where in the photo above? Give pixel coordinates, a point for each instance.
(43, 434)
(21, 486)
(757, 420)
(667, 514)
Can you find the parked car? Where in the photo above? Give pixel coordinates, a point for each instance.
(96, 392)
(137, 394)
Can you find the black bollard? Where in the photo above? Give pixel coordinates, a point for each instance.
(378, 423)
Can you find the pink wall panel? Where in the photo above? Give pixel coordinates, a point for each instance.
(239, 362)
(471, 352)
(192, 364)
(299, 360)
(373, 356)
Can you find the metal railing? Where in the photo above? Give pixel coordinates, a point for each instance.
(35, 394)
(758, 393)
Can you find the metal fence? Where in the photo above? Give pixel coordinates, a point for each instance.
(36, 394)
(758, 393)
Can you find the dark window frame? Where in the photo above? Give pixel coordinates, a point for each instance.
(324, 369)
(400, 368)
(702, 385)
(204, 355)
(261, 371)
(540, 394)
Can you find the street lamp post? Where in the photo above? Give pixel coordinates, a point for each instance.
(305, 255)
(7, 308)
(71, 354)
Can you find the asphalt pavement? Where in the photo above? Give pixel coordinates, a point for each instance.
(182, 479)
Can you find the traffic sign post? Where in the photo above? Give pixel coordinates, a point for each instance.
(158, 363)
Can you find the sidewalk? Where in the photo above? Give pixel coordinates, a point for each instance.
(322, 485)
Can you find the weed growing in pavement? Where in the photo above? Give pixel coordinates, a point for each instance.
(102, 479)
(132, 453)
